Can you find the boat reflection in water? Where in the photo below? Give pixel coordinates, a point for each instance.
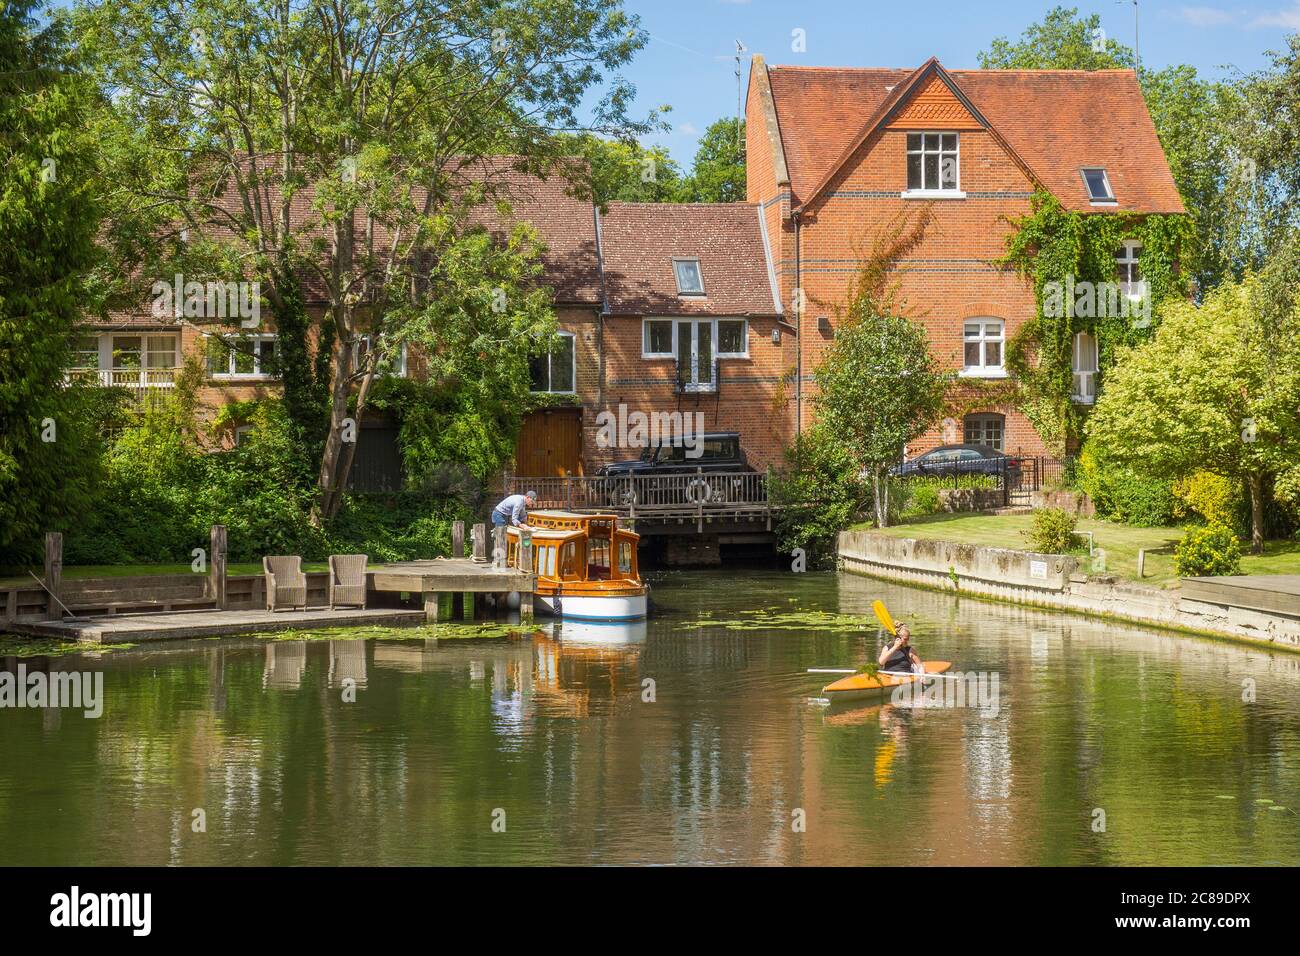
(600, 633)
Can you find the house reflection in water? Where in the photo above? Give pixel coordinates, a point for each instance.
(285, 663)
(347, 662)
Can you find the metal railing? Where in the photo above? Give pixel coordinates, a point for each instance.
(699, 494)
(682, 385)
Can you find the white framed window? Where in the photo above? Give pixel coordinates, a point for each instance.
(1097, 183)
(242, 433)
(690, 280)
(245, 357)
(1128, 262)
(697, 365)
(85, 353)
(732, 338)
(986, 430)
(657, 338)
(1084, 366)
(556, 371)
(934, 165)
(728, 338)
(982, 342)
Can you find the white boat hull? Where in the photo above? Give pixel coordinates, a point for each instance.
(581, 607)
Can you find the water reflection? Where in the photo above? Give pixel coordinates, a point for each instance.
(555, 726)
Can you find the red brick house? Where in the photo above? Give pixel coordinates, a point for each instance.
(690, 323)
(834, 156)
(685, 309)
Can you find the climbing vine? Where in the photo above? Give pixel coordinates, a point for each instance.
(1058, 251)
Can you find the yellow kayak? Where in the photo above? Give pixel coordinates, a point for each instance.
(864, 686)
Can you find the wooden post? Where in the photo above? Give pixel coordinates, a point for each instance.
(1142, 562)
(457, 551)
(525, 606)
(699, 501)
(217, 567)
(568, 491)
(430, 607)
(499, 546)
(11, 606)
(53, 575)
(478, 537)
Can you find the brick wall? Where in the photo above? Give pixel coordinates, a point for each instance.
(947, 278)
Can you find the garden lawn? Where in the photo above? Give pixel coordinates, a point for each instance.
(1120, 543)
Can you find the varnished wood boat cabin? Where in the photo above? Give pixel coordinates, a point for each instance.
(586, 565)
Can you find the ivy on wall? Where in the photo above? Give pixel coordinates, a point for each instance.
(1053, 245)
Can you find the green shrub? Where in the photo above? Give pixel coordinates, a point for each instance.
(924, 499)
(1208, 551)
(820, 494)
(1123, 495)
(1053, 531)
(1213, 498)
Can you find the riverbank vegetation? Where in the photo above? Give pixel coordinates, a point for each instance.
(1119, 544)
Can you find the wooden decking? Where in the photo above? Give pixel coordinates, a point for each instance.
(455, 576)
(1270, 593)
(175, 625)
(423, 579)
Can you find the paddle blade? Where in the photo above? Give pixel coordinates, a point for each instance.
(882, 614)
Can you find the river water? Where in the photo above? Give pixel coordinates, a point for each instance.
(698, 737)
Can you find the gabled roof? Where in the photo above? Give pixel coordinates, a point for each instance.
(1052, 122)
(640, 240)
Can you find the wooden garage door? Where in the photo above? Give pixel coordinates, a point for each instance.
(550, 443)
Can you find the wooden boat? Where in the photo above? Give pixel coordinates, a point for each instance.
(586, 565)
(868, 686)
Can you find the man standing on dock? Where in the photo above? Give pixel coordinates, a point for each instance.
(513, 510)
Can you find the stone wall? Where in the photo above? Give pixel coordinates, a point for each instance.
(969, 499)
(1051, 580)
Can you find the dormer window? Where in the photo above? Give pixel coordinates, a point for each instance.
(933, 164)
(1098, 185)
(690, 281)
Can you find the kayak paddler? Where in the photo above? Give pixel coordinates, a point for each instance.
(900, 655)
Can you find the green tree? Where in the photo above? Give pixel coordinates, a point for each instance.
(623, 171)
(49, 214)
(879, 385)
(718, 174)
(1214, 390)
(392, 122)
(1192, 119)
(1063, 41)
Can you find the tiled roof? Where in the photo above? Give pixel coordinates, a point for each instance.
(565, 224)
(640, 240)
(1056, 121)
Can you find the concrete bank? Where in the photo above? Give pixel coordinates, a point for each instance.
(1057, 581)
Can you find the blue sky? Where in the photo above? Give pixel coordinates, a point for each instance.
(688, 62)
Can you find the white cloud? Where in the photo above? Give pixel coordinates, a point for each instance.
(1288, 19)
(688, 129)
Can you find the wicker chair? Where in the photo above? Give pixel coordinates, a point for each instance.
(286, 585)
(348, 580)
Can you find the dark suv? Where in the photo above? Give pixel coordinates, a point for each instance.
(681, 484)
(948, 461)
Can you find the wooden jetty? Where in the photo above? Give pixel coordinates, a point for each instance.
(144, 608)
